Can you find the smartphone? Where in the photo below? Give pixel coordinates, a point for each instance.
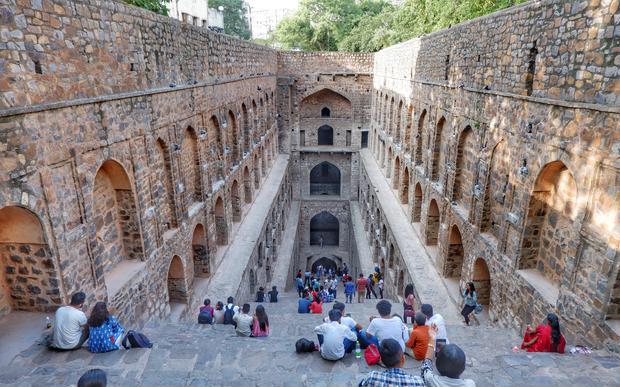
(439, 343)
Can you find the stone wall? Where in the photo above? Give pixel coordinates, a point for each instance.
(563, 114)
(106, 95)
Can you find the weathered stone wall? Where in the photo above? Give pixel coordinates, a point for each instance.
(58, 137)
(537, 85)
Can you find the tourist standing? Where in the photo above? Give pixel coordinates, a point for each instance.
(470, 299)
(349, 289)
(408, 303)
(370, 287)
(300, 286)
(70, 325)
(105, 333)
(361, 288)
(380, 287)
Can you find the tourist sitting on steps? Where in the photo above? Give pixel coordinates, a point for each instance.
(418, 339)
(70, 327)
(546, 338)
(105, 333)
(450, 364)
(260, 322)
(470, 300)
(335, 339)
(439, 322)
(260, 295)
(386, 326)
(317, 306)
(303, 305)
(273, 294)
(218, 313)
(205, 315)
(230, 310)
(393, 358)
(243, 321)
(350, 323)
(93, 378)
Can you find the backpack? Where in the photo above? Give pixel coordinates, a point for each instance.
(228, 315)
(136, 340)
(304, 345)
(371, 354)
(205, 318)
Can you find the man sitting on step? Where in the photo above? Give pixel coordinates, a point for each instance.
(335, 338)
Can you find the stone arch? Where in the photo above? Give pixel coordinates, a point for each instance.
(418, 138)
(390, 123)
(466, 160)
(252, 283)
(315, 101)
(396, 174)
(385, 114)
(324, 229)
(437, 164)
(325, 179)
(549, 227)
(408, 119)
(255, 121)
(495, 191)
(325, 135)
(326, 262)
(247, 185)
(200, 250)
(482, 281)
(262, 116)
(432, 223)
(115, 216)
(404, 187)
(256, 167)
(401, 282)
(383, 235)
(163, 168)
(215, 135)
(325, 112)
(236, 201)
(455, 254)
(221, 225)
(416, 213)
(190, 159)
(389, 162)
(399, 120)
(233, 137)
(28, 274)
(261, 254)
(177, 284)
(391, 256)
(245, 121)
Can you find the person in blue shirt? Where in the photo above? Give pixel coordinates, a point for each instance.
(300, 286)
(349, 291)
(105, 333)
(303, 306)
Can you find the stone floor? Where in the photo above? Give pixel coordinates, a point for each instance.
(187, 354)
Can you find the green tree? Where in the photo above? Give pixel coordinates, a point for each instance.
(157, 6)
(235, 17)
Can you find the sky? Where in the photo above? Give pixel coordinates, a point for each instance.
(273, 4)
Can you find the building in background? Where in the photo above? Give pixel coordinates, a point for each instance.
(265, 21)
(198, 13)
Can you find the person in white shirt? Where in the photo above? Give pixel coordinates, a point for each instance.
(244, 321)
(437, 320)
(230, 303)
(70, 328)
(335, 339)
(386, 327)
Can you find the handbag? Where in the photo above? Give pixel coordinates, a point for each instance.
(371, 354)
(478, 309)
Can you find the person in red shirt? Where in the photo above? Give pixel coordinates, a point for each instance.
(361, 288)
(418, 339)
(317, 306)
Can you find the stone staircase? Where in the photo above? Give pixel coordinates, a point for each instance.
(188, 354)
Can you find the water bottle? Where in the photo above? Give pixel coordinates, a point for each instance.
(358, 350)
(48, 322)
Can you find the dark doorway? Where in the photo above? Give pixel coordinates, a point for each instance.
(326, 135)
(325, 179)
(324, 230)
(326, 263)
(365, 139)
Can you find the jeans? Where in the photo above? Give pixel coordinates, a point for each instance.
(300, 291)
(467, 309)
(349, 345)
(370, 289)
(365, 341)
(83, 338)
(381, 292)
(349, 298)
(334, 291)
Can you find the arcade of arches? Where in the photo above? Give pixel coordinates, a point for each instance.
(145, 194)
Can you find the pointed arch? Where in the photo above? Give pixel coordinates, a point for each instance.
(416, 214)
(482, 281)
(455, 254)
(432, 223)
(200, 249)
(495, 191)
(399, 119)
(325, 179)
(388, 171)
(190, 159)
(324, 229)
(437, 164)
(256, 124)
(408, 119)
(177, 284)
(325, 135)
(404, 187)
(314, 105)
(221, 224)
(217, 148)
(163, 167)
(396, 174)
(247, 130)
(418, 138)
(236, 201)
(233, 137)
(465, 168)
(247, 185)
(255, 168)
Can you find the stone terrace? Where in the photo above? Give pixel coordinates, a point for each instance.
(188, 354)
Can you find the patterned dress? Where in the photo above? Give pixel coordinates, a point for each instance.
(104, 337)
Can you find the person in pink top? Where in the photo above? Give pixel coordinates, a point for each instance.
(260, 325)
(408, 309)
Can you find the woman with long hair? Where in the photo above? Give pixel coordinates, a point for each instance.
(408, 303)
(546, 338)
(470, 301)
(105, 333)
(260, 325)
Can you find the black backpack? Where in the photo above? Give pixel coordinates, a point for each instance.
(304, 345)
(205, 318)
(228, 315)
(136, 340)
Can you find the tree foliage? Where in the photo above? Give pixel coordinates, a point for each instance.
(370, 25)
(235, 17)
(157, 6)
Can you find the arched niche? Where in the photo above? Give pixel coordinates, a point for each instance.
(325, 179)
(324, 230)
